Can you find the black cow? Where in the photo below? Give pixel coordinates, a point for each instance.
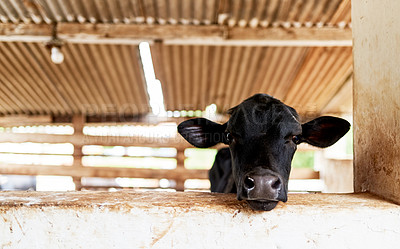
(262, 134)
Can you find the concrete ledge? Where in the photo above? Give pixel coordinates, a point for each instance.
(132, 219)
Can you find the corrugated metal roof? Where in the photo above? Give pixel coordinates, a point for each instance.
(107, 78)
(253, 13)
(93, 79)
(196, 76)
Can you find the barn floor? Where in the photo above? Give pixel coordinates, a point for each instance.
(133, 219)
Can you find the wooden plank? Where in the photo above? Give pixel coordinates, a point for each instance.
(179, 173)
(303, 173)
(179, 34)
(180, 160)
(77, 139)
(78, 122)
(18, 120)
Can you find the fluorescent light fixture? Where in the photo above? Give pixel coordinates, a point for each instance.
(154, 88)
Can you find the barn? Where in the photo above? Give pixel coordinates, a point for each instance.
(92, 92)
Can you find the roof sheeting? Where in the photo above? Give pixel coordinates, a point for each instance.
(108, 78)
(196, 76)
(93, 79)
(253, 13)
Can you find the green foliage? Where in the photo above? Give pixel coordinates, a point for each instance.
(303, 159)
(199, 158)
(349, 141)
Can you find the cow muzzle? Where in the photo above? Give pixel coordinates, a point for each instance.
(262, 189)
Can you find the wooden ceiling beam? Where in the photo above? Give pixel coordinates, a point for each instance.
(179, 34)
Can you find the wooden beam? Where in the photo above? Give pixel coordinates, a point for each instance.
(18, 120)
(179, 34)
(304, 173)
(79, 139)
(78, 122)
(179, 173)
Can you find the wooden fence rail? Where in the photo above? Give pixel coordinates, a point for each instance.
(180, 174)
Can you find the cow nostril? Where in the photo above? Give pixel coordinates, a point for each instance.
(249, 183)
(276, 184)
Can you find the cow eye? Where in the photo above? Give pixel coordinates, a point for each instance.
(296, 139)
(229, 138)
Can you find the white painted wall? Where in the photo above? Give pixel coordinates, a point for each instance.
(130, 219)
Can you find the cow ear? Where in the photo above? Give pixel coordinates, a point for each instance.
(202, 132)
(324, 131)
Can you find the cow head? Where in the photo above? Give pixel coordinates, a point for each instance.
(263, 134)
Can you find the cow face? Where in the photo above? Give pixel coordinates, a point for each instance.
(263, 134)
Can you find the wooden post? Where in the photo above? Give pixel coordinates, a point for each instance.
(78, 121)
(376, 38)
(180, 163)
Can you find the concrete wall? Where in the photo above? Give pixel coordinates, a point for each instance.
(376, 36)
(338, 176)
(130, 219)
